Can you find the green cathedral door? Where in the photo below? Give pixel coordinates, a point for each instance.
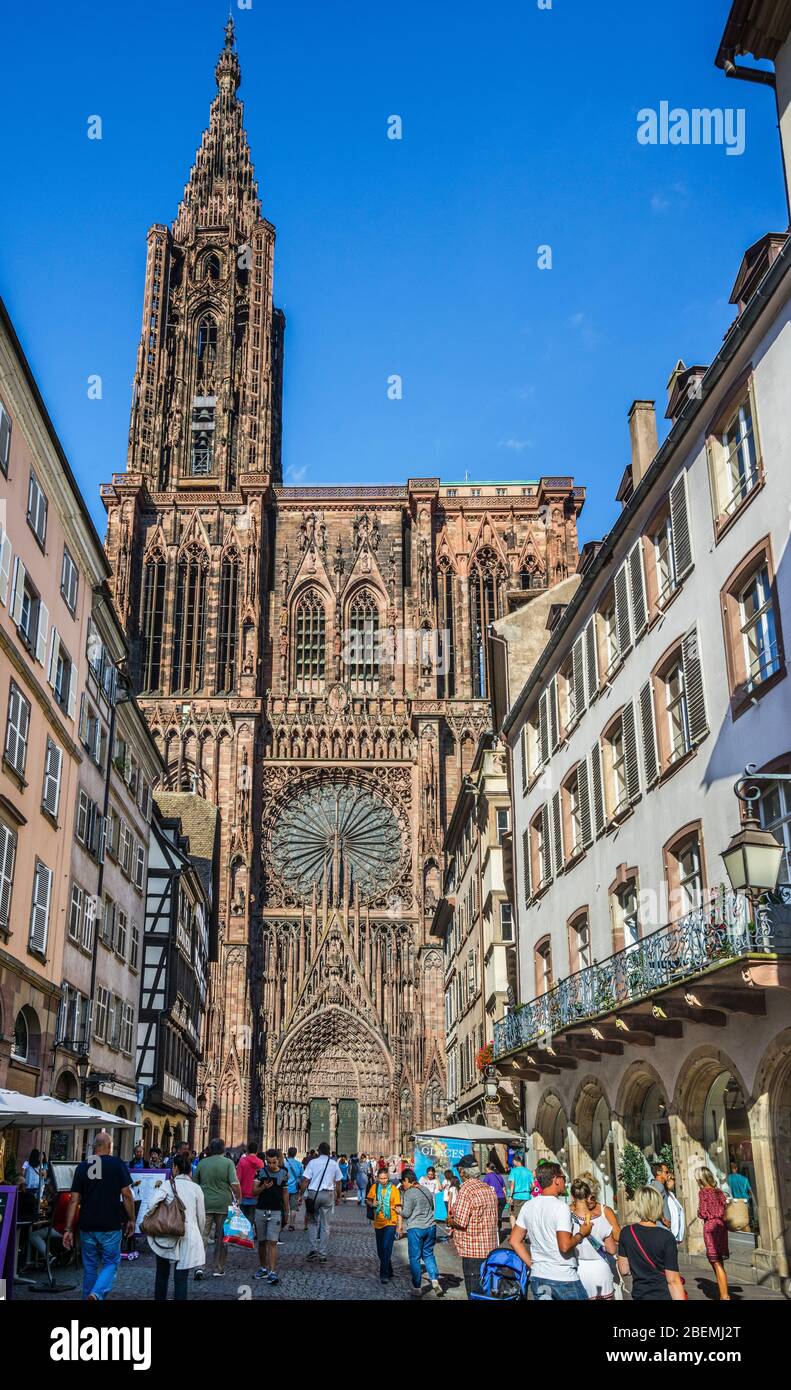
(347, 1127)
(319, 1123)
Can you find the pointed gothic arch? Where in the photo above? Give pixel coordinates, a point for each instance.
(189, 628)
(153, 620)
(487, 575)
(318, 1058)
(227, 637)
(362, 623)
(309, 639)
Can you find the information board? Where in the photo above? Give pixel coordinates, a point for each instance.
(144, 1180)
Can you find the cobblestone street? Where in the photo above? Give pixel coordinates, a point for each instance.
(351, 1273)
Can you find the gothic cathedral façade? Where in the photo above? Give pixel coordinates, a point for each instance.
(314, 661)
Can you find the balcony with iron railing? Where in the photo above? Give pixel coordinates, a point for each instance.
(722, 933)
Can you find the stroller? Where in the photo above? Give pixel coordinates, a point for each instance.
(504, 1278)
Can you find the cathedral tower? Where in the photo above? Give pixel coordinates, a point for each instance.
(187, 529)
(314, 661)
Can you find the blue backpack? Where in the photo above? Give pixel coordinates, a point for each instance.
(504, 1278)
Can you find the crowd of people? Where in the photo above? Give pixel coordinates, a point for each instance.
(572, 1243)
(569, 1240)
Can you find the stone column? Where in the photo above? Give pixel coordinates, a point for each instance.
(622, 1202)
(579, 1161)
(773, 1254)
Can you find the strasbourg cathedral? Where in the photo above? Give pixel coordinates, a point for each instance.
(313, 661)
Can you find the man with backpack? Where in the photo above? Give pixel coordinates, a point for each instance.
(295, 1170)
(416, 1218)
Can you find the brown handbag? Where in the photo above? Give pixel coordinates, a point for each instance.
(167, 1220)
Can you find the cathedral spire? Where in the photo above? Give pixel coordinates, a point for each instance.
(228, 72)
(222, 190)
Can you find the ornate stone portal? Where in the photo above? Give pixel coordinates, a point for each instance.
(315, 662)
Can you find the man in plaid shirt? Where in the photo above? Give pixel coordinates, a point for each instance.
(474, 1221)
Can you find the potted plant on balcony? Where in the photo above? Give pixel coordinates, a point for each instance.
(484, 1057)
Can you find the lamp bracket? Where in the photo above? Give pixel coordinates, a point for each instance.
(748, 788)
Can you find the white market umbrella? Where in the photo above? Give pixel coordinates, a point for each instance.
(18, 1111)
(473, 1134)
(90, 1116)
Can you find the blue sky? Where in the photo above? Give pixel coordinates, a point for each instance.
(415, 257)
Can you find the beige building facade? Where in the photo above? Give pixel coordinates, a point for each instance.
(474, 920)
(50, 561)
(654, 1003)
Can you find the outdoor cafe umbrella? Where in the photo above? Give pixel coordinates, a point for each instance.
(474, 1134)
(18, 1111)
(477, 1135)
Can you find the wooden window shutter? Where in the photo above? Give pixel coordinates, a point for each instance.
(623, 621)
(554, 722)
(18, 591)
(39, 917)
(679, 522)
(52, 769)
(41, 635)
(557, 833)
(7, 859)
(526, 862)
(648, 734)
(597, 788)
(546, 844)
(543, 726)
(637, 589)
(693, 687)
(585, 804)
(17, 730)
(54, 652)
(591, 659)
(6, 555)
(578, 673)
(523, 755)
(630, 752)
(72, 700)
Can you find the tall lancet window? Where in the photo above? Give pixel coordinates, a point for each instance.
(484, 609)
(153, 621)
(229, 598)
(310, 643)
(363, 643)
(190, 621)
(447, 635)
(206, 347)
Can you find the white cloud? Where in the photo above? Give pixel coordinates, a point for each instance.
(516, 444)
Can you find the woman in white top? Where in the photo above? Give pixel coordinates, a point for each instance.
(594, 1270)
(678, 1221)
(187, 1251)
(433, 1185)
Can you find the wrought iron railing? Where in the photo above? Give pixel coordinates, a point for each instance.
(723, 930)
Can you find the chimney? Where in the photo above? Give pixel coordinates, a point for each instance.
(642, 432)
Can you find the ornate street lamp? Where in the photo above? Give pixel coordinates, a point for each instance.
(490, 1082)
(83, 1065)
(753, 857)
